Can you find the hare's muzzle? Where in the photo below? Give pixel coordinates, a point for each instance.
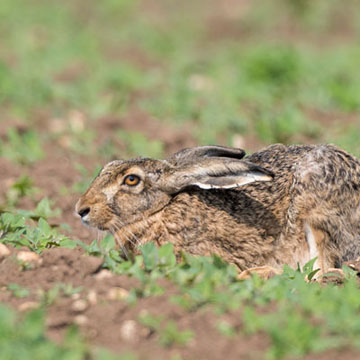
(83, 213)
(93, 213)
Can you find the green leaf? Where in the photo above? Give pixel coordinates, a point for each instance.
(166, 255)
(44, 210)
(150, 255)
(44, 226)
(309, 266)
(107, 243)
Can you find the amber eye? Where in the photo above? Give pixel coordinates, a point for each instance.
(131, 180)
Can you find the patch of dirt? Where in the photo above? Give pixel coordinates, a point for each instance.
(332, 119)
(343, 354)
(106, 318)
(97, 302)
(173, 137)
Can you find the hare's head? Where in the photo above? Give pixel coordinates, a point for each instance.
(125, 192)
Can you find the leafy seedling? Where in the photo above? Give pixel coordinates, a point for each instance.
(23, 148)
(18, 291)
(23, 337)
(22, 187)
(171, 335)
(226, 329)
(168, 332)
(15, 230)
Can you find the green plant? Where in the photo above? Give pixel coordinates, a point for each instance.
(168, 333)
(22, 187)
(24, 338)
(226, 329)
(18, 291)
(43, 210)
(15, 230)
(48, 297)
(23, 148)
(171, 335)
(284, 126)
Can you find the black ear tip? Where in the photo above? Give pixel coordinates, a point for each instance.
(209, 151)
(224, 151)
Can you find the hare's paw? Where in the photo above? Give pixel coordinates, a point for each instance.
(265, 272)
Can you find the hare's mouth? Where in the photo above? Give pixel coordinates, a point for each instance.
(88, 221)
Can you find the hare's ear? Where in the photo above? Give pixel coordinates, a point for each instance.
(190, 155)
(215, 173)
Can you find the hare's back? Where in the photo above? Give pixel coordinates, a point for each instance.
(310, 175)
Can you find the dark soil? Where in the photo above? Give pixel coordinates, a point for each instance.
(105, 317)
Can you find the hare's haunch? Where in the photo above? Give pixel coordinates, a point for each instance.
(281, 205)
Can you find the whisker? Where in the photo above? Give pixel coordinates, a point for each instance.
(133, 243)
(118, 241)
(120, 226)
(99, 235)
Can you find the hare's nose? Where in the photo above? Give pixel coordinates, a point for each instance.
(84, 211)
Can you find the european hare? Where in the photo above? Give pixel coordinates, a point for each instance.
(281, 205)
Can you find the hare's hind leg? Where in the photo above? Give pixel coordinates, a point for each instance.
(318, 241)
(325, 201)
(265, 272)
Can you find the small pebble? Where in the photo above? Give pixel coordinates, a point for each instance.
(117, 293)
(128, 330)
(29, 305)
(76, 296)
(81, 320)
(4, 251)
(29, 257)
(103, 274)
(92, 297)
(79, 305)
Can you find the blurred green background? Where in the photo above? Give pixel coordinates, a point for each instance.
(238, 72)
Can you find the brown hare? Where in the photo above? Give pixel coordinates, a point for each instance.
(281, 205)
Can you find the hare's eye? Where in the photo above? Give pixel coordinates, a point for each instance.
(131, 180)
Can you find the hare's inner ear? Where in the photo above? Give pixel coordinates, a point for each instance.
(216, 173)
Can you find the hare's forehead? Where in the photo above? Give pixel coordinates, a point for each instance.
(116, 164)
(144, 166)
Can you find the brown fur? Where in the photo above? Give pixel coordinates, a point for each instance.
(310, 206)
